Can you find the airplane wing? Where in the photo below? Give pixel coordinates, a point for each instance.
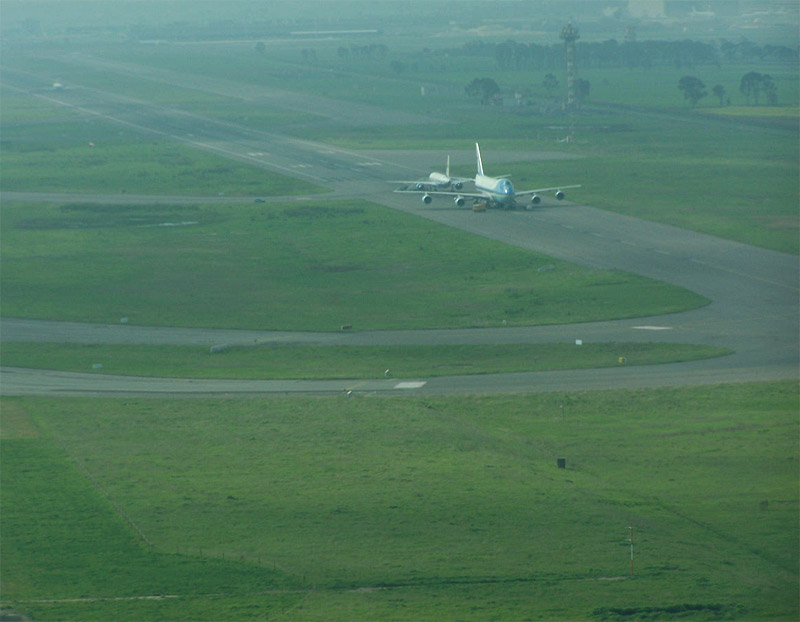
(538, 190)
(465, 195)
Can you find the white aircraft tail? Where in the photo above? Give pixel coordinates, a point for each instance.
(447, 171)
(480, 164)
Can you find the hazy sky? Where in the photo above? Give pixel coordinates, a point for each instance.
(59, 15)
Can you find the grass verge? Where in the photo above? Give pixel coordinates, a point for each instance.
(286, 361)
(300, 266)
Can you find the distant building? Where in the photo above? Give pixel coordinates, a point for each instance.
(652, 9)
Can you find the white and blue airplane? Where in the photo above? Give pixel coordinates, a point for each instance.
(437, 181)
(491, 191)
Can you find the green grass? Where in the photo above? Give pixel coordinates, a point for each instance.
(73, 553)
(455, 504)
(759, 111)
(307, 266)
(292, 361)
(31, 163)
(713, 195)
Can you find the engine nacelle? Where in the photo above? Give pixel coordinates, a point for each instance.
(536, 199)
(459, 201)
(420, 186)
(559, 195)
(426, 199)
(458, 185)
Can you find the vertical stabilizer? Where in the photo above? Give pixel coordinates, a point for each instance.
(447, 172)
(480, 164)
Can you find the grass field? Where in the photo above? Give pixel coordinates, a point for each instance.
(293, 361)
(308, 266)
(448, 508)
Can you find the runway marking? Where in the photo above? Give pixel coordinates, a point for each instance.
(410, 385)
(652, 328)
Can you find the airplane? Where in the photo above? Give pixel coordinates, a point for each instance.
(492, 191)
(437, 181)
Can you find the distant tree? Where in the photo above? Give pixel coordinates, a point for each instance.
(750, 85)
(582, 88)
(260, 47)
(398, 67)
(770, 90)
(693, 89)
(754, 83)
(378, 51)
(309, 56)
(550, 82)
(485, 88)
(719, 91)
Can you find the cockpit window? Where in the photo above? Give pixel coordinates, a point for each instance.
(506, 187)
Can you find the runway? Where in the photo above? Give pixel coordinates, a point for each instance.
(753, 292)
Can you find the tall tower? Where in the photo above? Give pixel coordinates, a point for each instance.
(570, 34)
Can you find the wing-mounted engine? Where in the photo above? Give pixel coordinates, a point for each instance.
(459, 201)
(426, 199)
(536, 199)
(458, 185)
(560, 195)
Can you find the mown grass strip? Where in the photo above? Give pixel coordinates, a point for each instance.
(310, 266)
(285, 361)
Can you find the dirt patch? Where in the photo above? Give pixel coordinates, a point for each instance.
(16, 423)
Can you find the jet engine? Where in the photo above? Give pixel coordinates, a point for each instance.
(458, 185)
(426, 199)
(559, 195)
(536, 199)
(420, 186)
(459, 201)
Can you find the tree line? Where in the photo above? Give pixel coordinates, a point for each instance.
(613, 54)
(752, 86)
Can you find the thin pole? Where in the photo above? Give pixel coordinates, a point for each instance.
(631, 533)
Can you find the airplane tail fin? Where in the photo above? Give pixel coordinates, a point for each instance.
(447, 172)
(480, 164)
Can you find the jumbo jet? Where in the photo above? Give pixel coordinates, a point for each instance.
(491, 191)
(437, 181)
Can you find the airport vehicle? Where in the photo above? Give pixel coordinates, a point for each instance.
(491, 191)
(437, 181)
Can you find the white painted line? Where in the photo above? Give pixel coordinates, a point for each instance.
(652, 328)
(410, 385)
